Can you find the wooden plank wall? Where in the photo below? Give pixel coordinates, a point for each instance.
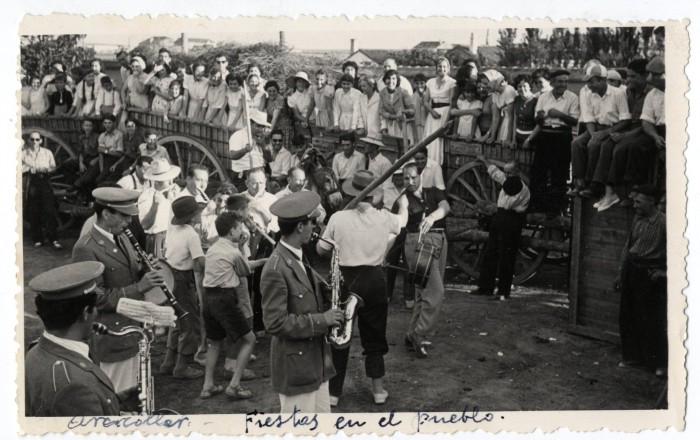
(68, 129)
(597, 242)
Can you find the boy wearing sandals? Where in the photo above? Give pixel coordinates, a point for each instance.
(225, 265)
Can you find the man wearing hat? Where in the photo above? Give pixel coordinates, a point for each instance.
(362, 236)
(124, 277)
(60, 377)
(653, 114)
(376, 162)
(243, 155)
(615, 79)
(293, 306)
(347, 161)
(557, 111)
(302, 100)
(184, 254)
(605, 112)
(154, 204)
(427, 209)
(110, 145)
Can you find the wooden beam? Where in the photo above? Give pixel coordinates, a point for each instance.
(575, 262)
(539, 244)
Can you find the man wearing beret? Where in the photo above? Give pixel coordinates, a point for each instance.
(293, 312)
(61, 379)
(123, 277)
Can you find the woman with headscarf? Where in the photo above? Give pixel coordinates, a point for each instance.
(441, 89)
(395, 105)
(490, 117)
(369, 108)
(135, 89)
(504, 97)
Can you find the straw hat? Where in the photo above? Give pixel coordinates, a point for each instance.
(302, 75)
(161, 171)
(360, 180)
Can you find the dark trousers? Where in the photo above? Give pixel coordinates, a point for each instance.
(86, 182)
(500, 252)
(632, 160)
(41, 207)
(184, 337)
(108, 162)
(550, 165)
(118, 172)
(368, 283)
(584, 154)
(397, 257)
(643, 321)
(264, 251)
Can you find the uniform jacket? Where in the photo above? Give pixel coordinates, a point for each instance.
(62, 383)
(117, 281)
(300, 357)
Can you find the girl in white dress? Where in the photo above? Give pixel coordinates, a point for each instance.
(346, 105)
(440, 88)
(323, 98)
(256, 96)
(234, 100)
(468, 109)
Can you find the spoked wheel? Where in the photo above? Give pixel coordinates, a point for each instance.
(547, 234)
(476, 193)
(186, 151)
(60, 180)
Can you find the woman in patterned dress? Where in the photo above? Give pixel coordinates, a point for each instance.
(278, 114)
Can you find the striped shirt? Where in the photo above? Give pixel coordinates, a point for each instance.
(647, 238)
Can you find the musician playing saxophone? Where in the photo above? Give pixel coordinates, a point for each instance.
(362, 237)
(124, 277)
(427, 209)
(293, 312)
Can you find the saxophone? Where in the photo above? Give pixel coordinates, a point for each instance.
(144, 378)
(340, 336)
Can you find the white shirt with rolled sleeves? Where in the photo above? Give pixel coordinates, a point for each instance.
(164, 213)
(238, 141)
(182, 247)
(379, 165)
(608, 109)
(130, 181)
(283, 162)
(362, 237)
(518, 202)
(432, 175)
(345, 167)
(42, 158)
(653, 110)
(259, 207)
(567, 103)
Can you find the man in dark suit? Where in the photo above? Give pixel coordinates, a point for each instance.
(123, 277)
(300, 357)
(61, 380)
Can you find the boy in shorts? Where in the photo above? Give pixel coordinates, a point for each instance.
(225, 265)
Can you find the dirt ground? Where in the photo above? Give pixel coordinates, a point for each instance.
(499, 356)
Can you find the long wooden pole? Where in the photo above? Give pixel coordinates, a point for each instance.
(246, 114)
(399, 163)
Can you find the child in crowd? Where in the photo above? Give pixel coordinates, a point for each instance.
(160, 86)
(85, 96)
(323, 97)
(108, 99)
(234, 101)
(215, 100)
(421, 100)
(62, 99)
(225, 268)
(176, 106)
(88, 157)
(468, 109)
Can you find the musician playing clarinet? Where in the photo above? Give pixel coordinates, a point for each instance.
(124, 277)
(427, 209)
(362, 237)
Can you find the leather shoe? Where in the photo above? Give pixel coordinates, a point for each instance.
(417, 346)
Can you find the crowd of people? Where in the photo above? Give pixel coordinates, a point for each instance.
(242, 259)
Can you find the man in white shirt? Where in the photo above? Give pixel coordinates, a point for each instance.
(429, 170)
(404, 83)
(282, 159)
(296, 178)
(197, 182)
(349, 160)
(243, 155)
(377, 163)
(606, 112)
(154, 204)
(136, 180)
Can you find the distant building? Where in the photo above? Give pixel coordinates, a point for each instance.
(195, 43)
(458, 54)
(365, 58)
(431, 46)
(156, 43)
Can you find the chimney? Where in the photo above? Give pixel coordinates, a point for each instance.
(352, 46)
(471, 43)
(487, 37)
(283, 40)
(185, 43)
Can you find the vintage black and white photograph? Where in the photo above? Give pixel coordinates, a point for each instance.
(371, 220)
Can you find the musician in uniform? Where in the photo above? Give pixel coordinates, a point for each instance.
(427, 209)
(123, 277)
(293, 310)
(60, 377)
(362, 237)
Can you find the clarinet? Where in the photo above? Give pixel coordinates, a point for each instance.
(180, 312)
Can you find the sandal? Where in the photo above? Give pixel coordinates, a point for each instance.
(211, 392)
(238, 393)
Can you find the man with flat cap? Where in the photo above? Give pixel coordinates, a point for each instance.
(61, 379)
(123, 277)
(293, 312)
(362, 236)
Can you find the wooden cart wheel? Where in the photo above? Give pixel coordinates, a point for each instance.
(62, 152)
(471, 186)
(185, 151)
(547, 234)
